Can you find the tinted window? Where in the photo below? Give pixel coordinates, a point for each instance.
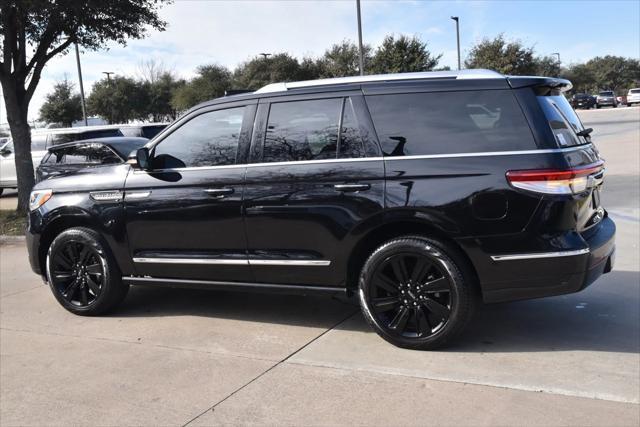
(209, 139)
(93, 154)
(151, 131)
(61, 138)
(302, 130)
(350, 141)
(563, 120)
(452, 122)
(634, 91)
(608, 93)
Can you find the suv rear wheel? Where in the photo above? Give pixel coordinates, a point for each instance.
(82, 273)
(414, 294)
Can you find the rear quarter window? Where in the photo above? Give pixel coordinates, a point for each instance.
(563, 120)
(449, 123)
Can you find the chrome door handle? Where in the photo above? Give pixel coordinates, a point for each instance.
(349, 188)
(219, 192)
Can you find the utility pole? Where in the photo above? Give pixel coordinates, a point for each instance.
(108, 73)
(457, 19)
(360, 49)
(84, 106)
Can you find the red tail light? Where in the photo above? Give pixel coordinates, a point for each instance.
(553, 181)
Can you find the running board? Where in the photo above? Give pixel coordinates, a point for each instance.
(235, 286)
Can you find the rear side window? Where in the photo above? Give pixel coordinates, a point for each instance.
(151, 131)
(302, 130)
(449, 123)
(61, 138)
(563, 120)
(634, 91)
(312, 130)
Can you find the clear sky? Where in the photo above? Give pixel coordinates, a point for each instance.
(229, 32)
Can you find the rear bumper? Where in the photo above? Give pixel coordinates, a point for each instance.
(522, 275)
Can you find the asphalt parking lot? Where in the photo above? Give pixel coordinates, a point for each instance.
(176, 357)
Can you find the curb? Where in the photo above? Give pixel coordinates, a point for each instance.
(11, 239)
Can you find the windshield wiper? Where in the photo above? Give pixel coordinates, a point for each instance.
(585, 132)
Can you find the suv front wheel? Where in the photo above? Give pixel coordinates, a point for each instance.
(416, 293)
(82, 273)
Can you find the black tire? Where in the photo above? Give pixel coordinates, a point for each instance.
(1, 191)
(597, 107)
(440, 288)
(82, 274)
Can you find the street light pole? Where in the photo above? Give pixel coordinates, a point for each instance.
(360, 50)
(264, 55)
(84, 106)
(108, 73)
(457, 19)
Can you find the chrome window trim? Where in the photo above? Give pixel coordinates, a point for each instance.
(538, 255)
(377, 159)
(220, 261)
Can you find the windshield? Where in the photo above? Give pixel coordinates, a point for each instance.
(563, 120)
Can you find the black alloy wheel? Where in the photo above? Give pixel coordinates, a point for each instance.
(414, 294)
(411, 295)
(77, 273)
(82, 274)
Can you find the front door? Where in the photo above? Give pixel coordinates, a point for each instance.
(184, 218)
(316, 175)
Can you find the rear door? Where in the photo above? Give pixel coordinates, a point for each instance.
(315, 176)
(184, 218)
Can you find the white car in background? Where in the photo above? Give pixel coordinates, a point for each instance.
(633, 97)
(41, 140)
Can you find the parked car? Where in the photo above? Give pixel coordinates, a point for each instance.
(606, 98)
(41, 139)
(583, 100)
(421, 193)
(65, 158)
(148, 130)
(633, 97)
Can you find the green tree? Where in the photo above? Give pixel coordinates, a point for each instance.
(502, 56)
(211, 82)
(403, 54)
(258, 72)
(160, 93)
(582, 77)
(343, 59)
(63, 105)
(119, 100)
(34, 31)
(614, 72)
(547, 66)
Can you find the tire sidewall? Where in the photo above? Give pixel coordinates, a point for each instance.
(459, 292)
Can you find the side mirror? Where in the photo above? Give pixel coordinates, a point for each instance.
(5, 151)
(140, 159)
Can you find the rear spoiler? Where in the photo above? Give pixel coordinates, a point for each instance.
(541, 85)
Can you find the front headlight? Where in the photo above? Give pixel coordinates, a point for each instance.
(39, 198)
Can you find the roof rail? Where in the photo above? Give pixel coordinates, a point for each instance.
(425, 75)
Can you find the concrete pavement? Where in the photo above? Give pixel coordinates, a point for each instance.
(176, 357)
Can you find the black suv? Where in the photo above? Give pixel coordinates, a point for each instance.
(421, 193)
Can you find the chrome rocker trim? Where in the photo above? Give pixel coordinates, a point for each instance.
(538, 255)
(208, 261)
